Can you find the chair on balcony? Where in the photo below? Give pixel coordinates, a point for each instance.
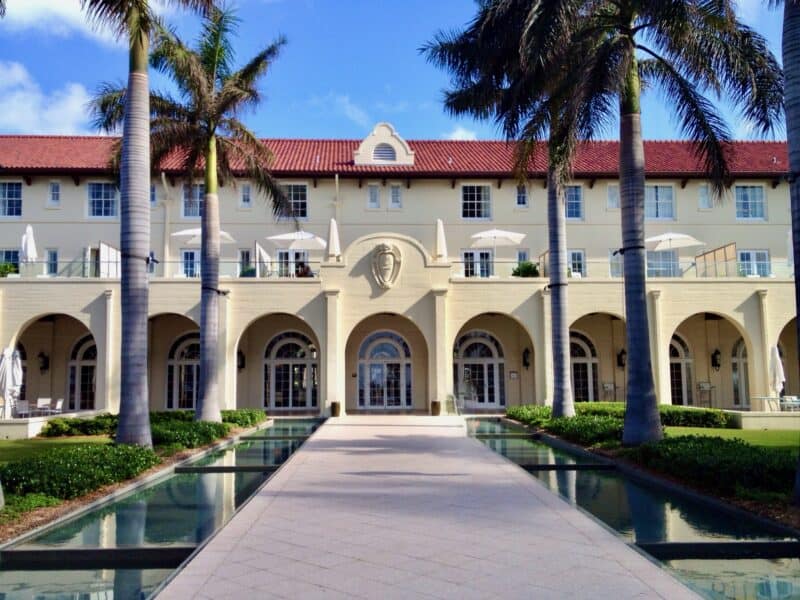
(43, 406)
(55, 408)
(23, 410)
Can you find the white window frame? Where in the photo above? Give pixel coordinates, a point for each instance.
(288, 260)
(763, 202)
(4, 201)
(248, 252)
(488, 202)
(5, 253)
(246, 197)
(395, 200)
(613, 199)
(286, 185)
(480, 267)
(582, 204)
(572, 254)
(89, 214)
(53, 195)
(373, 196)
(755, 261)
(522, 193)
(523, 255)
(704, 199)
(190, 269)
(673, 265)
(201, 187)
(51, 259)
(616, 266)
(658, 202)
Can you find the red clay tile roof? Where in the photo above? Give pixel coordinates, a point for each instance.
(75, 155)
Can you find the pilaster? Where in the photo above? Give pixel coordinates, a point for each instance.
(759, 365)
(658, 350)
(543, 353)
(333, 375)
(441, 359)
(108, 369)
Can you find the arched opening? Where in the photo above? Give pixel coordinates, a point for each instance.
(174, 359)
(60, 362)
(493, 364)
(708, 363)
(387, 363)
(598, 357)
(680, 372)
(787, 343)
(278, 366)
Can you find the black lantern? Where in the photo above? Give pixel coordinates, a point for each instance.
(716, 359)
(241, 362)
(44, 362)
(526, 358)
(622, 358)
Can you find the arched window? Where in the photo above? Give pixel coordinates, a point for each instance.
(291, 372)
(384, 372)
(680, 371)
(741, 387)
(183, 372)
(583, 357)
(384, 152)
(479, 370)
(82, 381)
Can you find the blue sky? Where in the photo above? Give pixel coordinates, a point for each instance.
(347, 65)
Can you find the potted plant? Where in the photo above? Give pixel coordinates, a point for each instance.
(436, 408)
(526, 269)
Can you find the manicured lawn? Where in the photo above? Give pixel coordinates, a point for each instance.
(788, 440)
(17, 449)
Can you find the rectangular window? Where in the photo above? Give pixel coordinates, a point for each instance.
(246, 200)
(659, 202)
(475, 202)
(153, 198)
(191, 262)
(614, 263)
(750, 202)
(396, 200)
(577, 262)
(663, 263)
(477, 263)
(52, 261)
(293, 263)
(102, 200)
(297, 196)
(192, 207)
(245, 263)
(573, 201)
(754, 263)
(613, 196)
(523, 255)
(373, 196)
(522, 196)
(10, 199)
(704, 201)
(54, 195)
(10, 256)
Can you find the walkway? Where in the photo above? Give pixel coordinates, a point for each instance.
(409, 507)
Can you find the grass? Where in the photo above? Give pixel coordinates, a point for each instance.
(782, 439)
(12, 450)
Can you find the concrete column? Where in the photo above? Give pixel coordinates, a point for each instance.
(333, 372)
(226, 346)
(543, 353)
(759, 365)
(440, 357)
(658, 350)
(107, 381)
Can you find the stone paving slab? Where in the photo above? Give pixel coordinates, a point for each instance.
(410, 507)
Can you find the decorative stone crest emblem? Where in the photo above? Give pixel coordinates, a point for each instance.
(386, 260)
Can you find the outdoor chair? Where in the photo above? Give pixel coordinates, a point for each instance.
(43, 406)
(54, 409)
(22, 409)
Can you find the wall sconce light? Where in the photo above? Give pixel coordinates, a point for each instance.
(241, 361)
(622, 358)
(313, 351)
(44, 362)
(716, 359)
(526, 358)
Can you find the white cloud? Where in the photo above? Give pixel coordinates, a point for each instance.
(342, 104)
(461, 134)
(26, 108)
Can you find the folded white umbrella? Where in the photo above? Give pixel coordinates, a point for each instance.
(10, 379)
(334, 247)
(298, 240)
(441, 241)
(777, 376)
(671, 241)
(493, 238)
(194, 236)
(27, 250)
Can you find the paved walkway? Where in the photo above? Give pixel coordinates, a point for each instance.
(409, 507)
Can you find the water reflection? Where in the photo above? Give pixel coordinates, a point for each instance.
(100, 583)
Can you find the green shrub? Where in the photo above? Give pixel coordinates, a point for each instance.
(530, 414)
(69, 472)
(16, 505)
(680, 416)
(7, 269)
(603, 409)
(526, 269)
(168, 416)
(586, 430)
(719, 465)
(244, 417)
(189, 434)
(104, 424)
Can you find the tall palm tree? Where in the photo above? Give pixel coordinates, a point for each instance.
(203, 129)
(134, 19)
(494, 77)
(686, 49)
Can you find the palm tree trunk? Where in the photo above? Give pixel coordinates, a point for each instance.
(642, 423)
(134, 414)
(208, 399)
(563, 405)
(791, 69)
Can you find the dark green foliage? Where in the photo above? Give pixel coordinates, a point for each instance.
(719, 465)
(167, 416)
(678, 416)
(604, 409)
(189, 434)
(586, 430)
(7, 269)
(71, 472)
(244, 417)
(16, 505)
(530, 414)
(104, 424)
(526, 269)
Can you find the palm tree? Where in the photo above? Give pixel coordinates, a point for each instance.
(203, 128)
(2, 8)
(494, 77)
(135, 19)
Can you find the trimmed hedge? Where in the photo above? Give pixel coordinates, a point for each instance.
(244, 417)
(586, 430)
(530, 414)
(679, 416)
(71, 472)
(719, 465)
(104, 424)
(189, 434)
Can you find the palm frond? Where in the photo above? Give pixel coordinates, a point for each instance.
(215, 45)
(107, 107)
